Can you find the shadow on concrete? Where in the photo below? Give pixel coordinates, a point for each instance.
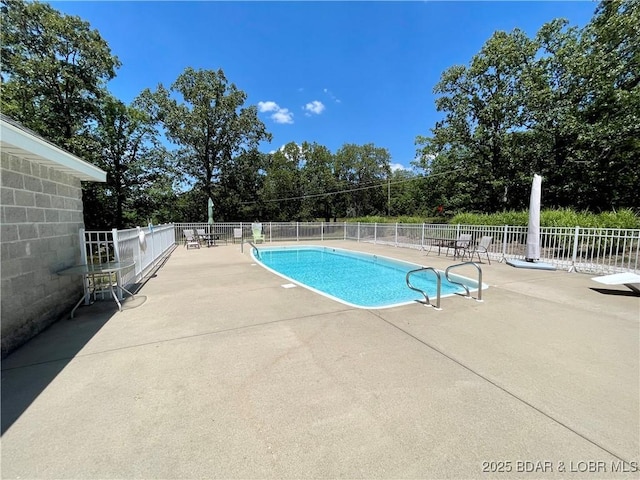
(610, 291)
(27, 371)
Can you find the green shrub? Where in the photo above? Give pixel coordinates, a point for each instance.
(401, 219)
(561, 217)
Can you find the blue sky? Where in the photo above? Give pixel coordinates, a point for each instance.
(325, 72)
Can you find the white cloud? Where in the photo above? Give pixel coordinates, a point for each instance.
(397, 166)
(283, 115)
(268, 106)
(280, 115)
(316, 107)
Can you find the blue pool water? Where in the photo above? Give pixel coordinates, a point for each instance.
(358, 279)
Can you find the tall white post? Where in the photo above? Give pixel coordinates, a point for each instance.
(574, 256)
(116, 252)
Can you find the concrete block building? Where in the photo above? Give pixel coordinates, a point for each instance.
(41, 215)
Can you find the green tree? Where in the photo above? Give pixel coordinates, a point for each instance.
(472, 150)
(406, 195)
(283, 187)
(564, 104)
(132, 156)
(586, 109)
(319, 182)
(208, 123)
(54, 72)
(241, 180)
(363, 171)
(610, 135)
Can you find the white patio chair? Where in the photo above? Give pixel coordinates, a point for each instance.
(482, 247)
(191, 241)
(460, 245)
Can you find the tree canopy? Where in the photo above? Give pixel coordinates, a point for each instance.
(210, 125)
(564, 103)
(55, 70)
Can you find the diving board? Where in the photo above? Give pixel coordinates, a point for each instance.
(628, 279)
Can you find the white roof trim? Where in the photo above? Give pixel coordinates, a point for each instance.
(23, 144)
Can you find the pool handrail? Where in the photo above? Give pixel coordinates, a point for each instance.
(446, 274)
(426, 297)
(254, 247)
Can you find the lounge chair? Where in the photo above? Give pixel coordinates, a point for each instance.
(206, 238)
(256, 230)
(482, 247)
(237, 235)
(191, 241)
(460, 245)
(628, 279)
(202, 235)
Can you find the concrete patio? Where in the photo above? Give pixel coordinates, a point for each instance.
(216, 371)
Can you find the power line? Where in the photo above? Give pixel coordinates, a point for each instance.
(349, 190)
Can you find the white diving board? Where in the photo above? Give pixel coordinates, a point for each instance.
(628, 279)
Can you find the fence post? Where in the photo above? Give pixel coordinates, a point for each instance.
(375, 233)
(297, 231)
(83, 261)
(153, 250)
(116, 253)
(504, 243)
(322, 231)
(358, 232)
(138, 265)
(574, 256)
(396, 234)
(422, 237)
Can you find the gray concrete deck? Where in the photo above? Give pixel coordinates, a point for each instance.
(216, 371)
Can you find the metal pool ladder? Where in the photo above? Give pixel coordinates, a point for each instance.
(254, 247)
(427, 302)
(446, 274)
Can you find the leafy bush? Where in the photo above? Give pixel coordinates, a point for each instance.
(563, 217)
(625, 218)
(379, 219)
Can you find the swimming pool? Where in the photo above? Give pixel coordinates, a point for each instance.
(357, 279)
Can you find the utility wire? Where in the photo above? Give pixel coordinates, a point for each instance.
(356, 189)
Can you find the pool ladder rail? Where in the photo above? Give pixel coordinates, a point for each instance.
(427, 301)
(254, 247)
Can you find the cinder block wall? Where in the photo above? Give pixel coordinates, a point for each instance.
(39, 224)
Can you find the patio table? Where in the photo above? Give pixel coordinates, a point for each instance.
(212, 237)
(440, 242)
(102, 269)
(457, 245)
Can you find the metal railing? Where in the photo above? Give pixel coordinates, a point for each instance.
(589, 250)
(426, 302)
(466, 288)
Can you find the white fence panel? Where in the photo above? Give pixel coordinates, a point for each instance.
(121, 245)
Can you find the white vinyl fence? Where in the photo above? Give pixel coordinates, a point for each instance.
(588, 250)
(146, 250)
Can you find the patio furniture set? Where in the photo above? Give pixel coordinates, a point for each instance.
(463, 246)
